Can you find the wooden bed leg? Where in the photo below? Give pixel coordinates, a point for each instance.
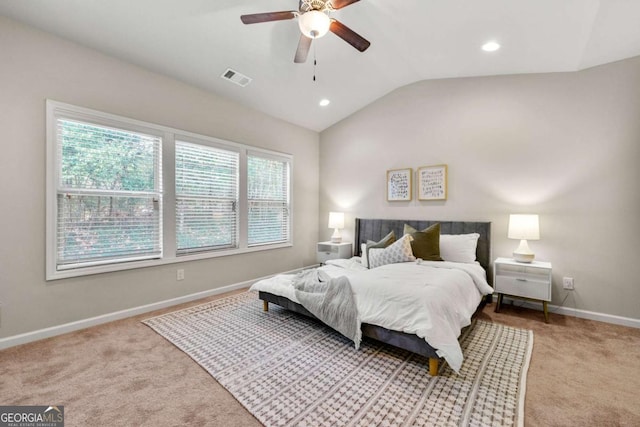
(265, 305)
(433, 366)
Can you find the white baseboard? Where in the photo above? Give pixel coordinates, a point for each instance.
(583, 314)
(134, 311)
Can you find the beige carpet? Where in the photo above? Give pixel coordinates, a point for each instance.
(289, 370)
(582, 373)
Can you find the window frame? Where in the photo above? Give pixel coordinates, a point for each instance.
(155, 193)
(289, 201)
(210, 144)
(168, 135)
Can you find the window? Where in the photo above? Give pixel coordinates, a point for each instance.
(268, 197)
(206, 198)
(125, 194)
(108, 194)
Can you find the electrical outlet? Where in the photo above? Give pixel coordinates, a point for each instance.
(180, 274)
(567, 283)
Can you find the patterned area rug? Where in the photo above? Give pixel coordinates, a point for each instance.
(289, 370)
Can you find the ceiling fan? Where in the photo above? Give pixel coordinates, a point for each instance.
(314, 22)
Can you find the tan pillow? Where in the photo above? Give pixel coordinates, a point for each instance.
(426, 243)
(400, 251)
(383, 243)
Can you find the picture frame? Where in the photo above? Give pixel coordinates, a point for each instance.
(399, 185)
(432, 182)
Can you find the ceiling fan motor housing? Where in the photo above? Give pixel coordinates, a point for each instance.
(308, 5)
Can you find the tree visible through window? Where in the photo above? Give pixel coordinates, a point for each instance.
(108, 196)
(108, 209)
(268, 196)
(206, 198)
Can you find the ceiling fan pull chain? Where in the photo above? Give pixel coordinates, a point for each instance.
(314, 61)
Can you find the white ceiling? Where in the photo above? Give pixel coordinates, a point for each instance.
(195, 41)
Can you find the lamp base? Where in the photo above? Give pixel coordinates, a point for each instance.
(523, 253)
(527, 258)
(336, 237)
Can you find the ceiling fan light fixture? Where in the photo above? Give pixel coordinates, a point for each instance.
(314, 24)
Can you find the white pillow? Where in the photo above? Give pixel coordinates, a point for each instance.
(459, 247)
(363, 258)
(400, 251)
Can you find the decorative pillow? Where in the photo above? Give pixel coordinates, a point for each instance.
(383, 243)
(400, 251)
(426, 243)
(363, 257)
(459, 247)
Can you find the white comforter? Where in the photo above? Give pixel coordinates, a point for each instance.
(433, 300)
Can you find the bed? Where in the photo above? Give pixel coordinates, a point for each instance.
(375, 230)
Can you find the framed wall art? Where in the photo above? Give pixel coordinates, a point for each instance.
(399, 185)
(432, 182)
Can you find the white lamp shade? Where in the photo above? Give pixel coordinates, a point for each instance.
(314, 24)
(524, 227)
(336, 220)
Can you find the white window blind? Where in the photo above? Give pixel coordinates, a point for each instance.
(206, 198)
(268, 199)
(109, 195)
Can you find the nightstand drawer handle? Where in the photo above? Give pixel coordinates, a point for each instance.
(521, 280)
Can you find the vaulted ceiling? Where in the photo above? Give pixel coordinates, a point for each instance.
(195, 41)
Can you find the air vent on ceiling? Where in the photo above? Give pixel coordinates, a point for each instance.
(236, 77)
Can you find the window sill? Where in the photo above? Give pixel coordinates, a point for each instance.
(131, 265)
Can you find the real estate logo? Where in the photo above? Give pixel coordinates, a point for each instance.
(31, 416)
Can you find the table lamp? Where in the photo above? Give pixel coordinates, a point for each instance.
(336, 221)
(523, 227)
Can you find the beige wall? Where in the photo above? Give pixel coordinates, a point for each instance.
(565, 146)
(36, 66)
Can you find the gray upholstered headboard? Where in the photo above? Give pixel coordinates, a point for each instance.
(376, 229)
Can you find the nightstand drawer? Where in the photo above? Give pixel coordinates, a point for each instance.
(324, 256)
(328, 250)
(523, 287)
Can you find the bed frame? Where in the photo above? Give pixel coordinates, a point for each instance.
(376, 229)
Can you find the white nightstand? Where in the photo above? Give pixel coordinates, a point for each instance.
(522, 280)
(329, 250)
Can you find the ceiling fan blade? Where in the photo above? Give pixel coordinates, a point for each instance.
(339, 4)
(348, 35)
(303, 49)
(256, 18)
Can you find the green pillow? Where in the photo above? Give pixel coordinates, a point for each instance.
(426, 243)
(386, 241)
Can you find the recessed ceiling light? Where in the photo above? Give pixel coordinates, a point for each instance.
(490, 46)
(324, 102)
